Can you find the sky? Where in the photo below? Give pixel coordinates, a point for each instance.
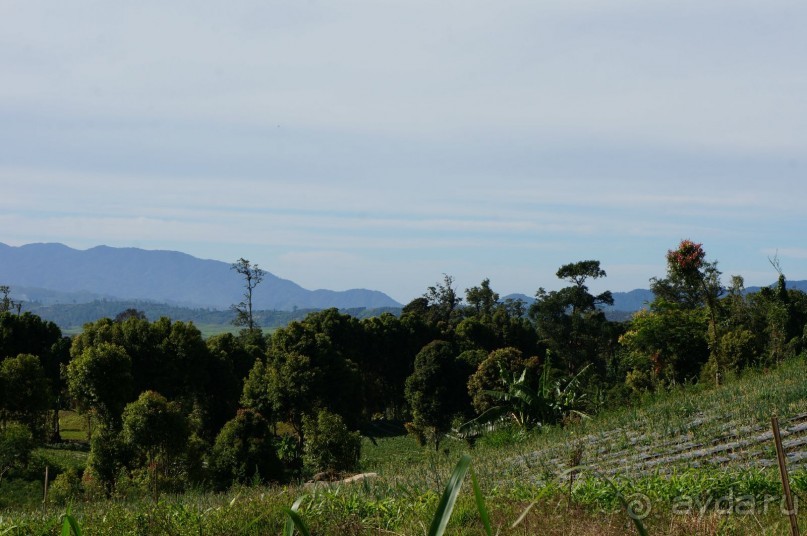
(381, 144)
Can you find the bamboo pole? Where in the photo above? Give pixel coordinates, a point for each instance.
(780, 454)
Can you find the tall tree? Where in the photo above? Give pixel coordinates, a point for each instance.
(664, 345)
(100, 379)
(693, 282)
(569, 321)
(490, 324)
(28, 334)
(482, 298)
(328, 340)
(156, 428)
(253, 275)
(431, 391)
(6, 303)
(25, 393)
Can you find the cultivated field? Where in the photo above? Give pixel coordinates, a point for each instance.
(692, 461)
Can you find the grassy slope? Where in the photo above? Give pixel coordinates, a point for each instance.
(683, 448)
(693, 441)
(691, 426)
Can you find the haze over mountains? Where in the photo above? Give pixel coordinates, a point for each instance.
(55, 273)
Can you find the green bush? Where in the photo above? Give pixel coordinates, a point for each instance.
(329, 446)
(487, 376)
(66, 488)
(244, 448)
(109, 456)
(16, 444)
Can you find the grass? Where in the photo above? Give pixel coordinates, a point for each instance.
(72, 426)
(704, 446)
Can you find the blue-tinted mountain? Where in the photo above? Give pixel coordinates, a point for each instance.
(55, 273)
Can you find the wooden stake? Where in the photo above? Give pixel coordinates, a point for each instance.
(780, 453)
(45, 496)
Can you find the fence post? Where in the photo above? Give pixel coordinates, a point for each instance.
(780, 454)
(45, 496)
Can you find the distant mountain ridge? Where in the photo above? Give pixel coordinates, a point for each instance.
(56, 273)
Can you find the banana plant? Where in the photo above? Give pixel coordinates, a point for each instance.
(525, 406)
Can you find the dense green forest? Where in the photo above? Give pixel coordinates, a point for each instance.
(169, 410)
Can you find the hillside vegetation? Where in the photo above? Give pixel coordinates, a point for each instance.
(555, 402)
(649, 451)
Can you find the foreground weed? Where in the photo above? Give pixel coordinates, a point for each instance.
(70, 525)
(294, 520)
(449, 498)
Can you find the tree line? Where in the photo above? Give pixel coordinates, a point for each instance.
(170, 409)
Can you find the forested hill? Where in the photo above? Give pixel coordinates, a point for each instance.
(57, 273)
(70, 317)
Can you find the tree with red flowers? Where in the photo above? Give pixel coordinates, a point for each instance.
(693, 282)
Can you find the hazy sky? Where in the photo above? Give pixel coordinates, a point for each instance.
(380, 144)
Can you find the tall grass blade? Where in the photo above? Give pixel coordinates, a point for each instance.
(293, 520)
(480, 505)
(449, 498)
(522, 516)
(297, 522)
(69, 524)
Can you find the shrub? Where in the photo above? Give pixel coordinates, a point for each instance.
(487, 376)
(25, 393)
(16, 444)
(329, 446)
(243, 449)
(431, 391)
(66, 487)
(109, 456)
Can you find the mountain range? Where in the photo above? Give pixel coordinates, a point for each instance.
(55, 273)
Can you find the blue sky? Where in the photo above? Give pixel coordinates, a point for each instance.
(380, 144)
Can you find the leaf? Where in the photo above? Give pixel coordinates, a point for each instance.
(294, 520)
(449, 498)
(488, 416)
(523, 515)
(480, 505)
(70, 524)
(497, 395)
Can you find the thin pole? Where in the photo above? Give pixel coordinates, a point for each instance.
(780, 454)
(45, 497)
